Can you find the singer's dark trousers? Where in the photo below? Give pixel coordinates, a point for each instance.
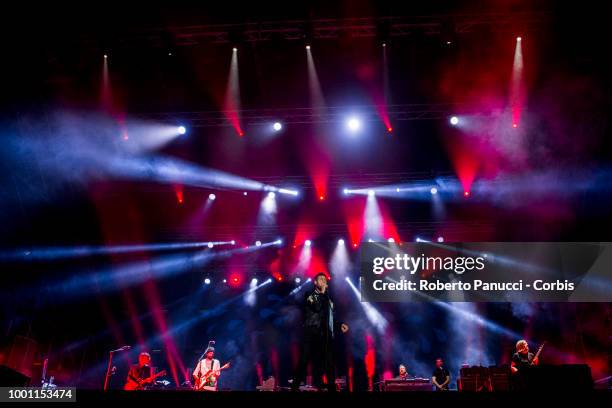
(317, 350)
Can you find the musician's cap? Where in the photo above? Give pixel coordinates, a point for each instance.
(209, 349)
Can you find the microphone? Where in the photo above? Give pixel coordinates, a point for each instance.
(124, 348)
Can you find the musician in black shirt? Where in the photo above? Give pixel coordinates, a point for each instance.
(139, 372)
(320, 328)
(441, 376)
(522, 358)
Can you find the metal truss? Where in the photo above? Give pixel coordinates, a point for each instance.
(334, 114)
(385, 28)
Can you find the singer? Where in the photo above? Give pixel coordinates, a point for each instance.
(319, 328)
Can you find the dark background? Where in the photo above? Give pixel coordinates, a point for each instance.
(51, 65)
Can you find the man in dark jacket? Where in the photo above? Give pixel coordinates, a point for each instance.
(320, 328)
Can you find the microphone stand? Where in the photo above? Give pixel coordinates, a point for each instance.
(110, 364)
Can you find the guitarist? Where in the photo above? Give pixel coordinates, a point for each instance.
(521, 361)
(207, 371)
(136, 378)
(522, 358)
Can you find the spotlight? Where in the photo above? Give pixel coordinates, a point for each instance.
(384, 44)
(297, 280)
(321, 197)
(390, 129)
(210, 245)
(355, 245)
(271, 194)
(241, 133)
(287, 191)
(279, 278)
(417, 239)
(278, 242)
(181, 130)
(440, 239)
(371, 193)
(346, 191)
(466, 193)
(518, 39)
(340, 241)
(236, 279)
(105, 56)
(390, 240)
(353, 124)
(245, 194)
(258, 243)
(370, 240)
(308, 242)
(254, 281)
(207, 281)
(234, 49)
(277, 126)
(515, 125)
(308, 47)
(224, 280)
(397, 190)
(212, 197)
(233, 242)
(454, 120)
(433, 191)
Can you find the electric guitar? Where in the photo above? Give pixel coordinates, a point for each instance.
(132, 385)
(209, 377)
(537, 354)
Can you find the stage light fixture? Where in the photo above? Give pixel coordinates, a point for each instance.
(210, 245)
(105, 56)
(297, 280)
(515, 125)
(371, 193)
(207, 281)
(466, 193)
(254, 281)
(290, 192)
(224, 280)
(245, 193)
(340, 241)
(433, 191)
(397, 190)
(212, 197)
(391, 240)
(308, 47)
(279, 242)
(417, 239)
(308, 242)
(454, 120)
(258, 243)
(181, 130)
(440, 239)
(234, 49)
(518, 39)
(346, 191)
(271, 194)
(277, 126)
(233, 242)
(353, 124)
